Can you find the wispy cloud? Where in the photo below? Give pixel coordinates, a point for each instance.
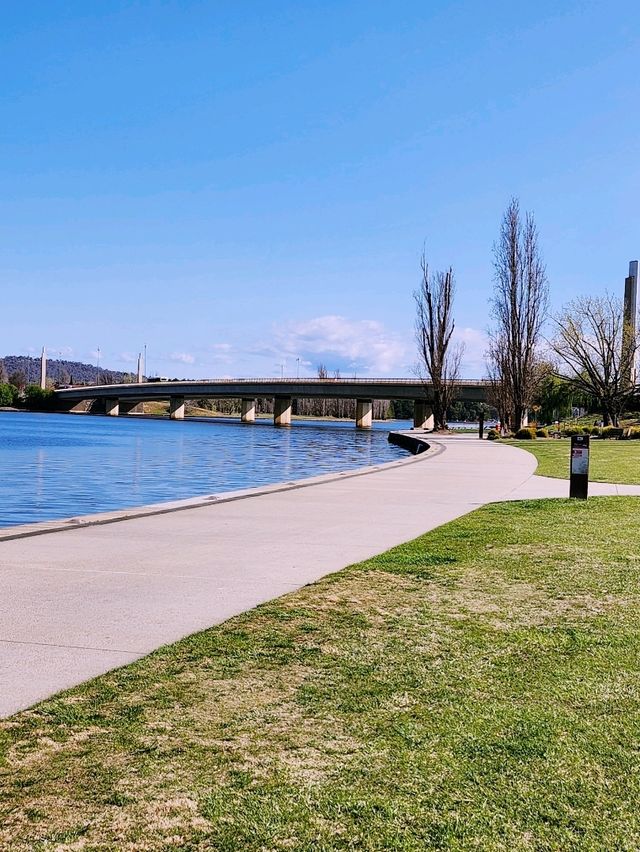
(475, 345)
(220, 353)
(62, 352)
(182, 358)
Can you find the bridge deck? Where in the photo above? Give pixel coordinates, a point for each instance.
(469, 390)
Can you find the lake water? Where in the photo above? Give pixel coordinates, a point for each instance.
(60, 466)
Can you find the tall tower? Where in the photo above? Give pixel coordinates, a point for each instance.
(139, 367)
(43, 369)
(631, 310)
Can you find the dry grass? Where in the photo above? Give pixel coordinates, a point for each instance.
(475, 689)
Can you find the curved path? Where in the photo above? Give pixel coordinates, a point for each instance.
(77, 603)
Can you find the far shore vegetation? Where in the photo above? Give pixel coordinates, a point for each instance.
(477, 688)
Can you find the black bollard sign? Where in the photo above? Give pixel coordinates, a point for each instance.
(579, 471)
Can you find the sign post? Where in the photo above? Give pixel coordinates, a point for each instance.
(579, 471)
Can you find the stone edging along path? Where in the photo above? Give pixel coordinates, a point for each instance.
(415, 444)
(74, 606)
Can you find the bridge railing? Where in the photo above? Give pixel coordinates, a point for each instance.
(283, 381)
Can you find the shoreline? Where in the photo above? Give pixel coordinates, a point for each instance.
(216, 498)
(78, 605)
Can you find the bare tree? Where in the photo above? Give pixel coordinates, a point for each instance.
(520, 306)
(597, 352)
(499, 391)
(439, 366)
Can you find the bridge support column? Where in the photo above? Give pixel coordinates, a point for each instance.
(364, 413)
(282, 411)
(248, 413)
(176, 408)
(112, 407)
(422, 415)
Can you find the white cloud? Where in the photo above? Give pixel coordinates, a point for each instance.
(63, 352)
(352, 346)
(182, 358)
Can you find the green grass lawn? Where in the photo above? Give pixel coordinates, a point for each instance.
(478, 688)
(610, 461)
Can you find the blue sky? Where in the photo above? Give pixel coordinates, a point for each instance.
(242, 185)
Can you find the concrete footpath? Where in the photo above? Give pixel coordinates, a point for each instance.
(82, 601)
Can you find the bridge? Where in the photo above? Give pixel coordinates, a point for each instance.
(123, 398)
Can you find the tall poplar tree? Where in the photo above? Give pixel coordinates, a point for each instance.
(520, 306)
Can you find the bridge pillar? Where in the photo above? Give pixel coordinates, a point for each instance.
(176, 408)
(422, 415)
(282, 411)
(364, 413)
(248, 414)
(112, 407)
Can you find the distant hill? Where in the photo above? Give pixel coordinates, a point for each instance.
(60, 371)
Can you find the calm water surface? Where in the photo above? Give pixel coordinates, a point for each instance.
(59, 466)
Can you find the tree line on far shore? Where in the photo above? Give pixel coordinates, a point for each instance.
(583, 355)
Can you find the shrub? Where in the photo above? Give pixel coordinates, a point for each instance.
(595, 431)
(492, 435)
(571, 431)
(7, 394)
(633, 434)
(526, 434)
(37, 399)
(542, 433)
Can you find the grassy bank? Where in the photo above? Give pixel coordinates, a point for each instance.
(477, 688)
(610, 461)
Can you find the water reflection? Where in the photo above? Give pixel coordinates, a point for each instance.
(58, 466)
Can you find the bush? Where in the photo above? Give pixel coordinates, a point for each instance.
(632, 434)
(7, 394)
(526, 434)
(595, 431)
(37, 399)
(571, 431)
(542, 433)
(611, 432)
(492, 435)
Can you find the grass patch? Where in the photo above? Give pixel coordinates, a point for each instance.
(477, 688)
(610, 461)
